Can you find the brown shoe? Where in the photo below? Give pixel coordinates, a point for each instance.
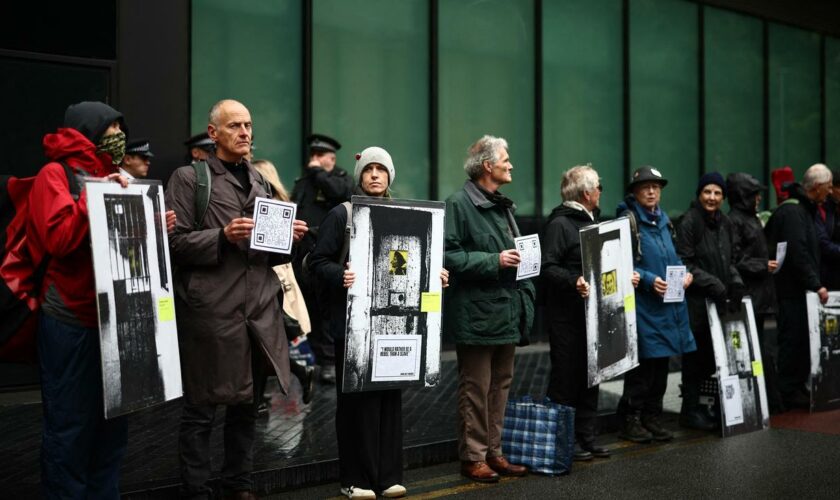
(479, 471)
(505, 468)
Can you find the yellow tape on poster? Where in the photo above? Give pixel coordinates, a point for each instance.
(166, 309)
(629, 303)
(430, 302)
(758, 368)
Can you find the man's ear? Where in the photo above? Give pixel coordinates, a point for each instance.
(211, 131)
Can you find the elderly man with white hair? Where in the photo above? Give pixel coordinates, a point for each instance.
(793, 222)
(487, 310)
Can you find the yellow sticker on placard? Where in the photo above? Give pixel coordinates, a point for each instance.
(758, 369)
(430, 302)
(166, 309)
(629, 303)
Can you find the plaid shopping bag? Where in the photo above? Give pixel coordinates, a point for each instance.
(540, 436)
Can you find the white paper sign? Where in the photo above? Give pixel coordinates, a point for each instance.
(781, 250)
(530, 256)
(273, 221)
(674, 277)
(733, 405)
(396, 358)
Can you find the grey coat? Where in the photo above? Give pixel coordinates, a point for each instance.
(223, 291)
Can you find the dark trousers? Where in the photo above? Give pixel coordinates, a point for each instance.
(699, 365)
(794, 345)
(81, 452)
(369, 429)
(644, 388)
(768, 359)
(320, 338)
(239, 430)
(569, 374)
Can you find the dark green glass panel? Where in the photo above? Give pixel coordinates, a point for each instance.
(582, 96)
(832, 102)
(794, 100)
(664, 95)
(370, 83)
(734, 93)
(486, 86)
(252, 52)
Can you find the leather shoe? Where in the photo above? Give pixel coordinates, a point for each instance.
(597, 451)
(241, 495)
(582, 455)
(505, 468)
(308, 384)
(479, 471)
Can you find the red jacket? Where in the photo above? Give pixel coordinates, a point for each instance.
(58, 225)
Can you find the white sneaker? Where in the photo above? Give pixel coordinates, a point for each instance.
(395, 491)
(359, 493)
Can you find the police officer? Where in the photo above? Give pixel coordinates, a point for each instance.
(137, 159)
(199, 147)
(322, 186)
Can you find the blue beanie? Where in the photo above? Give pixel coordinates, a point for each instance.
(711, 178)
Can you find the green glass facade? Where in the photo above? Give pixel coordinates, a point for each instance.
(675, 84)
(252, 52)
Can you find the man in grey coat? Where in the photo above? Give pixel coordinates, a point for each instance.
(228, 310)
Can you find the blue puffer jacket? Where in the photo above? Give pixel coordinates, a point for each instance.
(663, 328)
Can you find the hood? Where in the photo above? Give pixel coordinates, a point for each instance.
(742, 189)
(564, 211)
(92, 119)
(70, 144)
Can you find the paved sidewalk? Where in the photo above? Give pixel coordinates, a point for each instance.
(295, 443)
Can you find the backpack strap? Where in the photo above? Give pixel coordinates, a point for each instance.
(203, 184)
(72, 181)
(345, 249)
(635, 236)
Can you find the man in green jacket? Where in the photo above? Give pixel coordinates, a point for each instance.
(487, 310)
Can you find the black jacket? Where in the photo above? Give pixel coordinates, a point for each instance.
(704, 243)
(793, 222)
(317, 191)
(749, 245)
(828, 234)
(561, 262)
(329, 272)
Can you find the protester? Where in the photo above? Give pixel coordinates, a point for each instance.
(323, 186)
(663, 328)
(704, 243)
(228, 312)
(749, 246)
(81, 452)
(827, 220)
(294, 307)
(487, 311)
(138, 156)
(368, 424)
(565, 286)
(793, 222)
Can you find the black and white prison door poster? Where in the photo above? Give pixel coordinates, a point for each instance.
(611, 338)
(740, 372)
(824, 328)
(394, 305)
(139, 342)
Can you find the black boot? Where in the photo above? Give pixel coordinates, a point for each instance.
(652, 423)
(632, 430)
(694, 415)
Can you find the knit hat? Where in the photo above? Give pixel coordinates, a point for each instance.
(370, 155)
(711, 178)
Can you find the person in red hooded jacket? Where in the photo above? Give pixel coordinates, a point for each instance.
(80, 450)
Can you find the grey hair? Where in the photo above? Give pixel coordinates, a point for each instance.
(215, 111)
(816, 174)
(484, 149)
(578, 180)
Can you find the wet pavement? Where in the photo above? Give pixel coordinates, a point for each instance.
(296, 444)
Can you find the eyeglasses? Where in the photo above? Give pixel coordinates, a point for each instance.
(600, 188)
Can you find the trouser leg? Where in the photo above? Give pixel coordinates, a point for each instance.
(390, 440)
(474, 364)
(794, 346)
(636, 389)
(501, 377)
(194, 449)
(657, 386)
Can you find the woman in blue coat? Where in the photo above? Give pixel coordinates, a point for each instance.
(663, 328)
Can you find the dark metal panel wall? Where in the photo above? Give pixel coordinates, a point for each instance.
(153, 54)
